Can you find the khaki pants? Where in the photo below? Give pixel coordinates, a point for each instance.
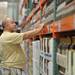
(11, 71)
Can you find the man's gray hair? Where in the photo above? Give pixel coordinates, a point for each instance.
(5, 21)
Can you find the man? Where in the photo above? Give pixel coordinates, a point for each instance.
(12, 57)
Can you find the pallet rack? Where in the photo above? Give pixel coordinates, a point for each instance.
(57, 39)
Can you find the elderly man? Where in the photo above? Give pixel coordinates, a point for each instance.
(12, 57)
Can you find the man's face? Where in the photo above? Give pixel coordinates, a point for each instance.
(11, 24)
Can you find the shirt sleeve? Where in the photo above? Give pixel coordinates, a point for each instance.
(15, 38)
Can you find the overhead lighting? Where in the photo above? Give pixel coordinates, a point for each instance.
(3, 4)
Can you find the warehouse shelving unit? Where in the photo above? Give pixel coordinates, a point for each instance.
(56, 41)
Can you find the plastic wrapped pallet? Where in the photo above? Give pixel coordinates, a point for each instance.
(36, 57)
(53, 49)
(74, 63)
(50, 68)
(70, 64)
(73, 59)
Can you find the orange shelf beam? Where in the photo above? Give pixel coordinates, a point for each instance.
(65, 24)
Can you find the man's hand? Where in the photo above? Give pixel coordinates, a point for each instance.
(40, 26)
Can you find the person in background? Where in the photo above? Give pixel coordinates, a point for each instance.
(12, 57)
